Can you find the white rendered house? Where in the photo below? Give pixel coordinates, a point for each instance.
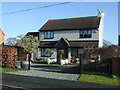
(72, 35)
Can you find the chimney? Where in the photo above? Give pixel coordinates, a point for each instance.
(101, 28)
(100, 14)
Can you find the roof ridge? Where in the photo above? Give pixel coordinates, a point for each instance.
(72, 18)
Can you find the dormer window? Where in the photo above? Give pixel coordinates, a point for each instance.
(48, 34)
(85, 33)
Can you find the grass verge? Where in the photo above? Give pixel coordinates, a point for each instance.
(100, 79)
(3, 70)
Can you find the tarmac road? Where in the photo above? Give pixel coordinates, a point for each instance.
(38, 82)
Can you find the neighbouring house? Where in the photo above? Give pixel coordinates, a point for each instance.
(1, 37)
(73, 35)
(35, 34)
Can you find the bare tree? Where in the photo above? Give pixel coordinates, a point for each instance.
(12, 41)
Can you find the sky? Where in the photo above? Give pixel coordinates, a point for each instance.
(31, 21)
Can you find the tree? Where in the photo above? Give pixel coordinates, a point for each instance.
(30, 44)
(104, 52)
(13, 40)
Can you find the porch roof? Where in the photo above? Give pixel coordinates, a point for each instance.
(62, 43)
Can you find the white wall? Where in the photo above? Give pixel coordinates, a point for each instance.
(101, 30)
(69, 34)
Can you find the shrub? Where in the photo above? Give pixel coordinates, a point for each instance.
(75, 61)
(114, 77)
(43, 59)
(8, 56)
(61, 51)
(40, 59)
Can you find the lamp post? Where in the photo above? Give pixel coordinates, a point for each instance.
(81, 51)
(29, 57)
(80, 64)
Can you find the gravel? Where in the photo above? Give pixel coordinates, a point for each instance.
(50, 71)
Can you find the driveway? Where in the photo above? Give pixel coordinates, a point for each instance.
(64, 72)
(69, 69)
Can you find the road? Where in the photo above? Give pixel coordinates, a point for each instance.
(37, 82)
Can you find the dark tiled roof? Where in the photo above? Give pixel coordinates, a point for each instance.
(36, 34)
(72, 23)
(64, 43)
(83, 43)
(47, 44)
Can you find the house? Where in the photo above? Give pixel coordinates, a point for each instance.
(73, 35)
(35, 34)
(1, 37)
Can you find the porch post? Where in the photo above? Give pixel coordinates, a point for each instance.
(69, 55)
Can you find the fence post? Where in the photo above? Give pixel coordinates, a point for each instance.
(110, 68)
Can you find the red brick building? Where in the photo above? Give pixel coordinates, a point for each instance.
(1, 36)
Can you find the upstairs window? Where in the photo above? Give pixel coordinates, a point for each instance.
(48, 35)
(85, 33)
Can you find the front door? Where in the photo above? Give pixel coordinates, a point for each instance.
(64, 55)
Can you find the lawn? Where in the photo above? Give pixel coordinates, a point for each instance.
(2, 70)
(100, 79)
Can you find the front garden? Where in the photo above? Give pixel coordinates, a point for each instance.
(3, 70)
(113, 80)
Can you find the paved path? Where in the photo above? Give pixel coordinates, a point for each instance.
(65, 72)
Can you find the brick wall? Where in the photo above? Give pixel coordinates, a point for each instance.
(1, 37)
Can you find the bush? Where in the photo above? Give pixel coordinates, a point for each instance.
(75, 61)
(8, 56)
(43, 59)
(114, 77)
(40, 59)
